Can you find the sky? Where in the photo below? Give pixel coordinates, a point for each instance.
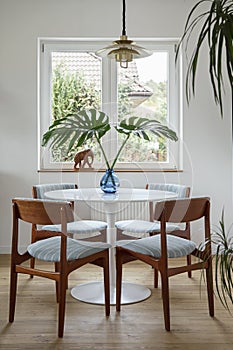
(153, 67)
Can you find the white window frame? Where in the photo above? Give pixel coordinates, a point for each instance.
(109, 77)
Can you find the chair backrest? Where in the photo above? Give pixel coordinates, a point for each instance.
(182, 191)
(38, 191)
(42, 212)
(182, 210)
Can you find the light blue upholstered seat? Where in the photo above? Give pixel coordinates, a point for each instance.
(49, 249)
(142, 226)
(79, 227)
(153, 227)
(176, 246)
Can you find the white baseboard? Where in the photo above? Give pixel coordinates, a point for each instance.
(7, 249)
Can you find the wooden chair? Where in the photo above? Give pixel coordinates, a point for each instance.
(53, 246)
(156, 250)
(152, 227)
(90, 230)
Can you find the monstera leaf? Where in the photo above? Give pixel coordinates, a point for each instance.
(142, 127)
(77, 128)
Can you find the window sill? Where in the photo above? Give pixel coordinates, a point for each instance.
(103, 170)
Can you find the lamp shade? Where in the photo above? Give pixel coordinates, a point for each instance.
(123, 50)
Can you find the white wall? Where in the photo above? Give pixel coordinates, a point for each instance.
(207, 138)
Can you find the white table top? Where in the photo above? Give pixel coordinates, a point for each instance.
(122, 195)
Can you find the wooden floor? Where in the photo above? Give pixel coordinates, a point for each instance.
(138, 326)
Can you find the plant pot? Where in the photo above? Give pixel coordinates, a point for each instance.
(109, 182)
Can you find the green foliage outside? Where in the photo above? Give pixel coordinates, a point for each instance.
(138, 150)
(158, 100)
(71, 92)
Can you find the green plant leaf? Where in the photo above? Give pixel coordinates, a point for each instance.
(223, 263)
(142, 127)
(78, 128)
(214, 26)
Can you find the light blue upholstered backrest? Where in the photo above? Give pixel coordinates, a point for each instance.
(38, 191)
(181, 190)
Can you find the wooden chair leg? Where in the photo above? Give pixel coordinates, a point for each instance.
(189, 263)
(118, 280)
(119, 234)
(62, 304)
(156, 276)
(13, 288)
(57, 284)
(165, 296)
(210, 291)
(32, 265)
(104, 234)
(33, 240)
(57, 268)
(106, 286)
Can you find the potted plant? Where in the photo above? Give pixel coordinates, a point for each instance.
(223, 263)
(213, 19)
(222, 242)
(79, 127)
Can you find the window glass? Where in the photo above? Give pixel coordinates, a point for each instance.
(72, 78)
(142, 91)
(76, 85)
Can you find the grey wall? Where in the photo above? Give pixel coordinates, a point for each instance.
(207, 137)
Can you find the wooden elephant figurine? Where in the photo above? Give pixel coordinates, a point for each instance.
(84, 157)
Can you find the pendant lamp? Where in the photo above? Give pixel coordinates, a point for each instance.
(123, 50)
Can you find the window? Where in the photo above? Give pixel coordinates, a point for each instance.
(71, 77)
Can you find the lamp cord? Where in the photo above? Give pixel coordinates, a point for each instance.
(123, 14)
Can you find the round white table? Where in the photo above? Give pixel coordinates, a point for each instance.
(93, 292)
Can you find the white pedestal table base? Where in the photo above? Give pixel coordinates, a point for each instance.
(93, 293)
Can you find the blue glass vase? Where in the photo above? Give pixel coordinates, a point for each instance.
(109, 182)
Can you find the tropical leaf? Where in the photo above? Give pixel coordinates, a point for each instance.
(216, 28)
(78, 128)
(142, 127)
